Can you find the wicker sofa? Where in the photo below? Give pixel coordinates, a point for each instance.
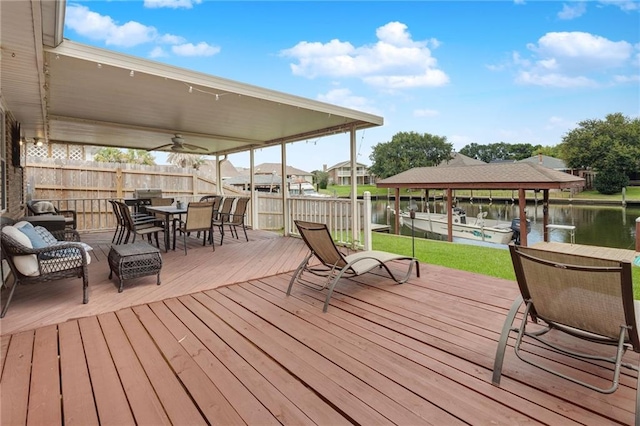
(38, 208)
(62, 255)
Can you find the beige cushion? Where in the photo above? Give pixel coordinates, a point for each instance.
(43, 207)
(27, 264)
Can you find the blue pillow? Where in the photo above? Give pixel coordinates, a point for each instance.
(36, 239)
(46, 235)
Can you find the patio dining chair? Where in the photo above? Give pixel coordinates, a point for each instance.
(334, 264)
(143, 226)
(223, 215)
(586, 297)
(199, 218)
(118, 234)
(238, 217)
(217, 202)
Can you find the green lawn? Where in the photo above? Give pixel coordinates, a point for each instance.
(494, 262)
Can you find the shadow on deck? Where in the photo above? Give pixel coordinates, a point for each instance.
(198, 350)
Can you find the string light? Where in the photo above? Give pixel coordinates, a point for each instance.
(99, 66)
(217, 95)
(131, 73)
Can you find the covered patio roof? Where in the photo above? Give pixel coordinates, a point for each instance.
(66, 92)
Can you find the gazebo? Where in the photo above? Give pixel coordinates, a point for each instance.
(520, 176)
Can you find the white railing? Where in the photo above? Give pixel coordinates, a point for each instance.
(97, 215)
(337, 214)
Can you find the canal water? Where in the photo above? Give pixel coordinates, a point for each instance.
(605, 226)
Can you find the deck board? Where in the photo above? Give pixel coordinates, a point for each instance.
(77, 395)
(220, 342)
(14, 397)
(145, 405)
(44, 399)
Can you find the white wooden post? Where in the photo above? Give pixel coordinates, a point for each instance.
(255, 217)
(638, 234)
(355, 226)
(368, 245)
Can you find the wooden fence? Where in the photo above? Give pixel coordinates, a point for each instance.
(48, 178)
(87, 187)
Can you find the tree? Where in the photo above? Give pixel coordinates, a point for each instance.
(116, 155)
(109, 155)
(550, 151)
(610, 146)
(407, 150)
(320, 178)
(139, 156)
(499, 151)
(186, 160)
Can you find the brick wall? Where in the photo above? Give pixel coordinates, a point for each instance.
(15, 176)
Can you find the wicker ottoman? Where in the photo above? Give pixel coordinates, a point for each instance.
(134, 260)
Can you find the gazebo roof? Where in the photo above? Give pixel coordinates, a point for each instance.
(484, 176)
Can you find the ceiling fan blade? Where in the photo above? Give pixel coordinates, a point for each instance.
(160, 147)
(193, 147)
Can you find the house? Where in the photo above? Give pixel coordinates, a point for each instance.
(458, 159)
(547, 161)
(340, 174)
(292, 173)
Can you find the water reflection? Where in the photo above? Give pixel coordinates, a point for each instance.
(595, 225)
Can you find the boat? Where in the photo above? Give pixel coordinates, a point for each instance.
(479, 228)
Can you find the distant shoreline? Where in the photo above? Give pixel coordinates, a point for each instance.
(552, 200)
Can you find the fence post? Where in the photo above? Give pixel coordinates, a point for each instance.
(368, 245)
(119, 192)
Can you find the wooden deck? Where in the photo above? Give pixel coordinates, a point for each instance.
(219, 342)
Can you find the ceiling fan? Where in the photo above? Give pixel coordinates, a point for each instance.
(179, 145)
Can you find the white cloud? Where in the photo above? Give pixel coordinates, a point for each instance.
(625, 5)
(553, 80)
(170, 39)
(173, 4)
(558, 123)
(394, 61)
(344, 97)
(190, 49)
(425, 113)
(157, 52)
(98, 27)
(572, 11)
(572, 59)
(623, 79)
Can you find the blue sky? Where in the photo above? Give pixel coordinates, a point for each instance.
(473, 71)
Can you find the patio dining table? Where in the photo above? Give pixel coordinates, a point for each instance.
(168, 212)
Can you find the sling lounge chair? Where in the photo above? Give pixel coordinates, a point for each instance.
(588, 298)
(334, 264)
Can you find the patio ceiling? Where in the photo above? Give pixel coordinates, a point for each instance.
(66, 92)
